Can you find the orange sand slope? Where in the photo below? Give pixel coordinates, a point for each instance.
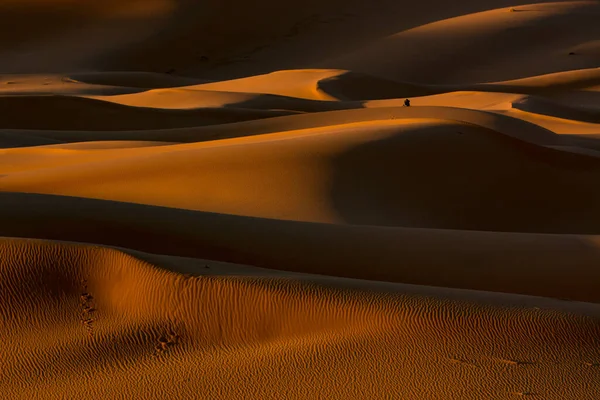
(126, 324)
(228, 200)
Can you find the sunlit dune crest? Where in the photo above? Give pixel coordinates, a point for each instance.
(316, 200)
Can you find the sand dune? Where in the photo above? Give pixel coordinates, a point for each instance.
(530, 264)
(77, 113)
(226, 199)
(109, 311)
(384, 112)
(559, 82)
(145, 80)
(360, 173)
(541, 106)
(495, 45)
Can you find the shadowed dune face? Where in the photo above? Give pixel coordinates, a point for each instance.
(494, 45)
(189, 36)
(406, 171)
(70, 113)
(65, 35)
(457, 176)
(543, 107)
(531, 264)
(227, 199)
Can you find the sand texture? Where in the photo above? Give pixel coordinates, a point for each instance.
(229, 200)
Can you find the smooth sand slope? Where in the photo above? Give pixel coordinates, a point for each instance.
(228, 200)
(497, 44)
(411, 172)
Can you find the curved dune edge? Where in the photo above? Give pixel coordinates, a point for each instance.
(134, 79)
(79, 113)
(126, 322)
(409, 172)
(504, 124)
(545, 107)
(548, 83)
(271, 95)
(532, 40)
(531, 264)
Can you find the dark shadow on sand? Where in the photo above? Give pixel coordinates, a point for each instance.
(469, 178)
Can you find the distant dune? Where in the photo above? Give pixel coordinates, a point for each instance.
(230, 200)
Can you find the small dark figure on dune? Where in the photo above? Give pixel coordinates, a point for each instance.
(407, 103)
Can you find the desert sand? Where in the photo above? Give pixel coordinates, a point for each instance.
(229, 200)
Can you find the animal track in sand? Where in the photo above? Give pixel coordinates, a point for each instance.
(87, 309)
(517, 362)
(462, 361)
(526, 393)
(166, 341)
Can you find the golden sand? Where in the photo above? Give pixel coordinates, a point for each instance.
(228, 200)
